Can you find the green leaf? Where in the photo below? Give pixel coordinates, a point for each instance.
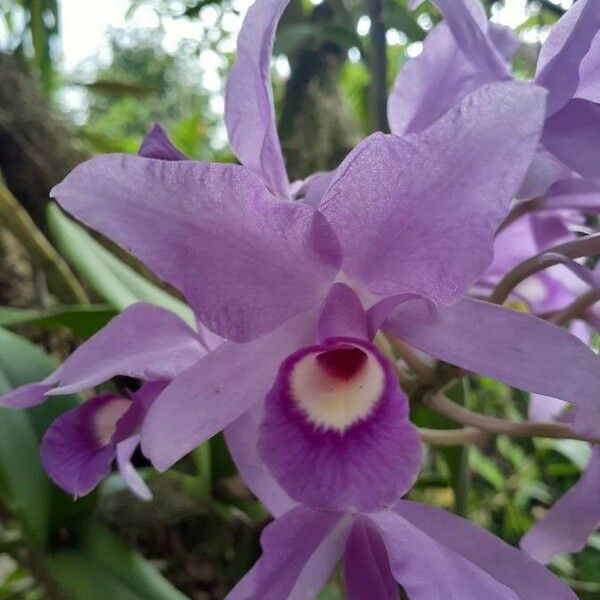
(36, 502)
(112, 279)
(26, 488)
(83, 320)
(104, 568)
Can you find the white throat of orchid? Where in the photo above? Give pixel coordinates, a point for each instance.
(337, 388)
(107, 417)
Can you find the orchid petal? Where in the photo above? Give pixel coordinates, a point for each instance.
(401, 206)
(158, 145)
(504, 563)
(245, 261)
(466, 19)
(342, 314)
(578, 194)
(430, 571)
(132, 478)
(589, 73)
(573, 135)
(568, 524)
(249, 111)
(144, 341)
(431, 83)
(242, 440)
(366, 565)
(517, 349)
(287, 543)
(563, 51)
(217, 390)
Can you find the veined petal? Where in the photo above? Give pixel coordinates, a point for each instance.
(366, 565)
(245, 261)
(507, 565)
(288, 544)
(217, 390)
(517, 349)
(144, 341)
(158, 145)
(242, 441)
(573, 135)
(563, 51)
(335, 432)
(568, 524)
(249, 111)
(430, 571)
(401, 206)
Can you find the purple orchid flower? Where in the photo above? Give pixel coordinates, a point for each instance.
(79, 447)
(465, 51)
(432, 554)
(268, 274)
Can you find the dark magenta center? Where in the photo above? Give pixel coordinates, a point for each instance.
(342, 363)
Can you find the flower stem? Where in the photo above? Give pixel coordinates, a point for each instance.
(487, 425)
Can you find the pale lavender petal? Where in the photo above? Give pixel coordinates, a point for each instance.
(242, 441)
(78, 449)
(507, 565)
(342, 314)
(401, 206)
(144, 341)
(132, 478)
(249, 111)
(319, 567)
(366, 565)
(30, 394)
(217, 390)
(505, 40)
(287, 543)
(589, 73)
(315, 187)
(336, 433)
(158, 145)
(545, 408)
(564, 49)
(567, 526)
(518, 349)
(467, 21)
(545, 169)
(432, 83)
(429, 570)
(572, 193)
(573, 135)
(245, 261)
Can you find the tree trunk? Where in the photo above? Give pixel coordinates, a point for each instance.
(37, 147)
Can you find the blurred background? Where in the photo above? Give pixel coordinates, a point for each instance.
(82, 77)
